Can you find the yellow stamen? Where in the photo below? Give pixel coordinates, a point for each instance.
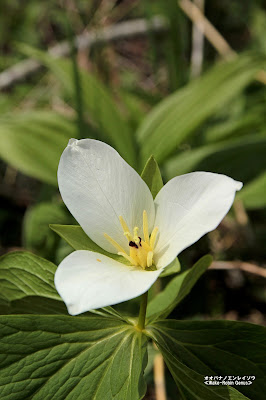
(149, 259)
(128, 236)
(125, 227)
(145, 246)
(127, 257)
(146, 228)
(153, 237)
(141, 249)
(114, 243)
(136, 236)
(142, 258)
(134, 255)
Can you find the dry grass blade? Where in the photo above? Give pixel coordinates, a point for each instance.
(122, 30)
(243, 266)
(212, 34)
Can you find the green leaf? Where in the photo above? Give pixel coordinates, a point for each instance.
(24, 274)
(176, 117)
(98, 100)
(27, 286)
(69, 358)
(242, 159)
(77, 238)
(195, 349)
(172, 268)
(179, 287)
(33, 305)
(253, 194)
(152, 176)
(36, 232)
(33, 142)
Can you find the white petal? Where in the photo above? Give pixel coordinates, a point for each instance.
(85, 283)
(189, 206)
(98, 186)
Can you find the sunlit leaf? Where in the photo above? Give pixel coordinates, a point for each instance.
(176, 117)
(24, 274)
(69, 358)
(33, 142)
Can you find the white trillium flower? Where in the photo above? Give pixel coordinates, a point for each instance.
(115, 208)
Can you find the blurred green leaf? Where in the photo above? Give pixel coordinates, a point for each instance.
(179, 287)
(33, 142)
(253, 194)
(77, 238)
(195, 349)
(152, 176)
(171, 269)
(169, 123)
(96, 97)
(63, 357)
(36, 232)
(250, 121)
(242, 159)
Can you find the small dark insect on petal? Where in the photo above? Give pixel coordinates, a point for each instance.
(133, 244)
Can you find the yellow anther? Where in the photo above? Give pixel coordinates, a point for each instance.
(127, 257)
(149, 259)
(146, 227)
(153, 237)
(114, 243)
(125, 227)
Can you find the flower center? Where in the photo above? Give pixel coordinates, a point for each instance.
(140, 249)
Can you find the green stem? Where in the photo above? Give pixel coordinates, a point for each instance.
(142, 311)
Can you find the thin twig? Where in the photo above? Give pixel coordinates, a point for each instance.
(197, 52)
(212, 34)
(159, 380)
(243, 266)
(122, 30)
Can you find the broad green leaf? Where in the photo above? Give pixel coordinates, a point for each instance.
(172, 268)
(36, 232)
(176, 117)
(77, 238)
(152, 176)
(70, 358)
(195, 349)
(33, 142)
(24, 274)
(242, 159)
(33, 305)
(253, 194)
(179, 287)
(101, 107)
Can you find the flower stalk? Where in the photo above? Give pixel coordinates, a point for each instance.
(142, 311)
